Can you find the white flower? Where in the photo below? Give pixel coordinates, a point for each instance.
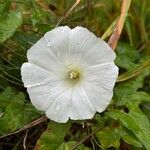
(70, 74)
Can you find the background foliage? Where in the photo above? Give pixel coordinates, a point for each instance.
(124, 125)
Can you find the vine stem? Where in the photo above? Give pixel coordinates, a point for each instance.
(113, 40)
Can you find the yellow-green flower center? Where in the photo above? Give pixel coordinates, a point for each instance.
(74, 74)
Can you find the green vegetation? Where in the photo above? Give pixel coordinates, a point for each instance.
(125, 125)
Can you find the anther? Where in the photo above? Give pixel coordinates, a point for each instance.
(73, 74)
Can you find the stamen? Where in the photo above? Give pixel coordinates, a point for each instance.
(73, 74)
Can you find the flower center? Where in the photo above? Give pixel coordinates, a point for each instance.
(73, 74)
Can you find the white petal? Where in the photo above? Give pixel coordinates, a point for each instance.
(81, 107)
(60, 109)
(99, 84)
(41, 55)
(58, 40)
(98, 96)
(81, 40)
(103, 74)
(43, 96)
(33, 75)
(99, 53)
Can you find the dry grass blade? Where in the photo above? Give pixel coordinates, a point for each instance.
(68, 12)
(24, 140)
(119, 25)
(45, 7)
(130, 74)
(34, 123)
(109, 31)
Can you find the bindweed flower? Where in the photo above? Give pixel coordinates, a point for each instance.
(70, 74)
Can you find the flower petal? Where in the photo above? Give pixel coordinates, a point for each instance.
(81, 40)
(99, 53)
(80, 106)
(103, 74)
(33, 75)
(43, 96)
(99, 84)
(59, 110)
(58, 40)
(98, 96)
(41, 55)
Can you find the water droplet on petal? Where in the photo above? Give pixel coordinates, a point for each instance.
(58, 107)
(58, 29)
(48, 44)
(114, 75)
(84, 98)
(63, 30)
(52, 99)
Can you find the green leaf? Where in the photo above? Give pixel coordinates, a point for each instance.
(70, 144)
(16, 111)
(5, 98)
(127, 56)
(136, 121)
(137, 97)
(53, 137)
(146, 109)
(127, 95)
(127, 88)
(25, 40)
(9, 25)
(109, 137)
(132, 140)
(4, 8)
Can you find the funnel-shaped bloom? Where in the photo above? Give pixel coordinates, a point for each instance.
(70, 74)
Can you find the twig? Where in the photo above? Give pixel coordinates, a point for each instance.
(7, 74)
(9, 62)
(45, 7)
(68, 12)
(119, 25)
(87, 137)
(11, 80)
(24, 140)
(32, 124)
(83, 7)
